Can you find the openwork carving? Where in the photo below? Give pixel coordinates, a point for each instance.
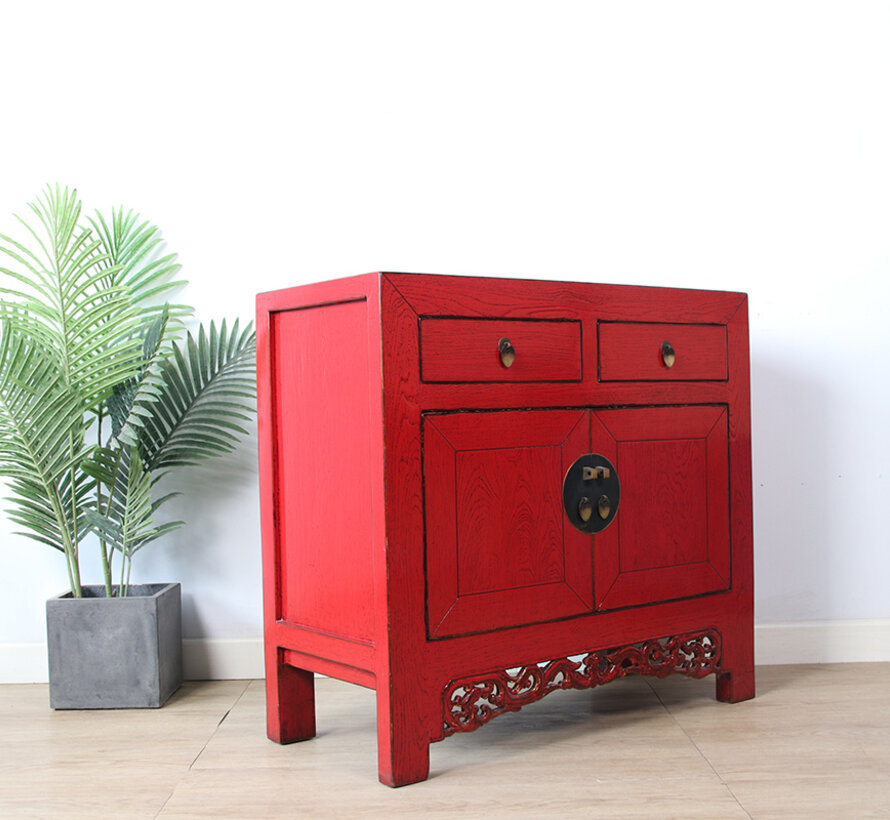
(472, 702)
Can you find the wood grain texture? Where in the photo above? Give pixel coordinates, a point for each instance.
(463, 509)
(632, 351)
(285, 417)
(294, 696)
(523, 298)
(737, 682)
(665, 494)
(673, 524)
(466, 350)
(509, 522)
(333, 647)
(323, 665)
(406, 699)
(323, 468)
(499, 550)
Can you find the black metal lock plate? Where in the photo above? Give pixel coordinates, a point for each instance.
(591, 493)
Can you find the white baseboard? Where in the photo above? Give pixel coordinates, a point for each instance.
(23, 663)
(822, 642)
(222, 658)
(202, 659)
(242, 658)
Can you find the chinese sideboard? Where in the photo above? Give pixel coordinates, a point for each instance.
(475, 491)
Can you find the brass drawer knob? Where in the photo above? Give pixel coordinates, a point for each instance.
(668, 356)
(506, 351)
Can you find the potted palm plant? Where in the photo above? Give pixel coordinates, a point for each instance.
(102, 391)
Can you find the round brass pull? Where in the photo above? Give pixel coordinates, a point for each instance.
(506, 351)
(668, 356)
(585, 509)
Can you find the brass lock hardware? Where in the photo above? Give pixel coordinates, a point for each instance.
(604, 507)
(581, 499)
(668, 355)
(507, 351)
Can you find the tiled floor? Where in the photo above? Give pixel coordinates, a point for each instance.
(814, 743)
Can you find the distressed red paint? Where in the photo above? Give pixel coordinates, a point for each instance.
(411, 490)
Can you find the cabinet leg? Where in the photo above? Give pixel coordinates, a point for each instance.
(735, 680)
(735, 685)
(403, 748)
(405, 765)
(290, 703)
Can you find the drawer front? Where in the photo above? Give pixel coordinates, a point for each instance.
(638, 351)
(470, 350)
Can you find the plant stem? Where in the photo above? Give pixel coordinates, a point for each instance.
(106, 567)
(73, 567)
(68, 548)
(122, 590)
(73, 478)
(71, 549)
(73, 575)
(103, 546)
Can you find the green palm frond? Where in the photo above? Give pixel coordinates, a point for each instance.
(207, 383)
(76, 492)
(84, 337)
(131, 259)
(87, 325)
(133, 400)
(126, 519)
(42, 428)
(35, 511)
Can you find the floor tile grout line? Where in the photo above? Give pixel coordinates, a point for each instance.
(696, 747)
(220, 723)
(201, 751)
(168, 798)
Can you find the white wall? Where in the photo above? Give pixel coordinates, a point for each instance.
(732, 146)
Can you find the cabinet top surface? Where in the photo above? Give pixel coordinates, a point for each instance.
(462, 281)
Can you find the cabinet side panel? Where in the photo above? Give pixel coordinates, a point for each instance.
(323, 468)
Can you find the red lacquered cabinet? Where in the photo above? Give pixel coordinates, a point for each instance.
(477, 491)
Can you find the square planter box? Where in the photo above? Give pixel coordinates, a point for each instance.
(114, 653)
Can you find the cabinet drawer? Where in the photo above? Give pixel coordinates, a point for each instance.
(640, 351)
(468, 350)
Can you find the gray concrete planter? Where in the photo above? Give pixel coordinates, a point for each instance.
(114, 653)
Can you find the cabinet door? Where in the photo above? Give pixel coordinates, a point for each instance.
(499, 549)
(670, 538)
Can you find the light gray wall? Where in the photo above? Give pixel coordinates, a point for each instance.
(727, 146)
